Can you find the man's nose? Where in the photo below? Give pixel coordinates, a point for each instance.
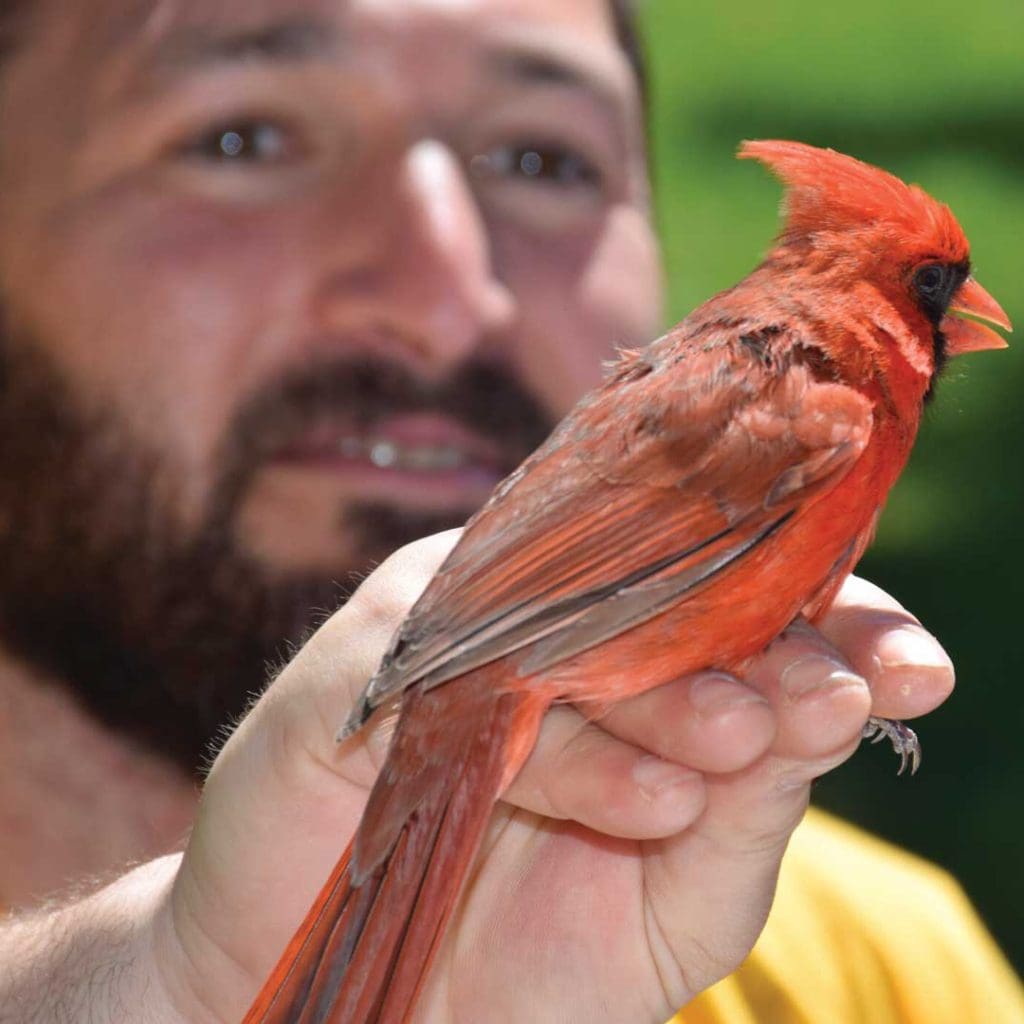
(426, 279)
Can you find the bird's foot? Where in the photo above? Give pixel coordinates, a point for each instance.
(903, 739)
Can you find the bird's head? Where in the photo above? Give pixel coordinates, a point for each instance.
(896, 236)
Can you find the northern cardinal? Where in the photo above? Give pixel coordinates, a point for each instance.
(720, 482)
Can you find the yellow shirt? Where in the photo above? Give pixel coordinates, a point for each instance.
(864, 933)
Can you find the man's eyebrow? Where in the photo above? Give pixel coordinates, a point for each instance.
(291, 39)
(539, 66)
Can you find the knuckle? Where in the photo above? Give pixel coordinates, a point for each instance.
(381, 604)
(802, 640)
(768, 840)
(789, 774)
(386, 595)
(859, 593)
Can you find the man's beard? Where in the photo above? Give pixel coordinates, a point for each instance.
(167, 634)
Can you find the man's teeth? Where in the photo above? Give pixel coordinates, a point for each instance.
(388, 455)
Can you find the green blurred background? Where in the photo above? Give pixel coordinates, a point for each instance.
(933, 91)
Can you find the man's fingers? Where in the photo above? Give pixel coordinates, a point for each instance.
(380, 604)
(711, 886)
(906, 667)
(804, 702)
(318, 689)
(580, 772)
(821, 702)
(821, 706)
(635, 771)
(709, 721)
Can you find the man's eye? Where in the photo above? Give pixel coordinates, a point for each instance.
(548, 164)
(245, 142)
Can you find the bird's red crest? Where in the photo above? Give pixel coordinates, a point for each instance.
(829, 191)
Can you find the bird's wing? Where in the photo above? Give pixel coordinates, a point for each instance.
(687, 457)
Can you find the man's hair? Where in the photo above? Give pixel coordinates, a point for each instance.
(11, 14)
(627, 33)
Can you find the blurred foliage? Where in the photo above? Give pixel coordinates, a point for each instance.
(933, 91)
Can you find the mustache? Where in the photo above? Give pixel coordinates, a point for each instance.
(481, 397)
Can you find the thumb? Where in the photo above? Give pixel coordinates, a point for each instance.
(283, 799)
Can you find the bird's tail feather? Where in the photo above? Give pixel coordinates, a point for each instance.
(287, 988)
(363, 951)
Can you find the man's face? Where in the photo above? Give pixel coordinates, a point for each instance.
(286, 283)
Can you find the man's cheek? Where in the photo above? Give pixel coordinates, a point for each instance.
(579, 297)
(622, 286)
(561, 347)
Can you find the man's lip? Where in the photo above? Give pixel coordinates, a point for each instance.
(415, 443)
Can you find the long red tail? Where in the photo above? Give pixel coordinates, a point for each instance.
(363, 951)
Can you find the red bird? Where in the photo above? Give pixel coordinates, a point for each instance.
(721, 482)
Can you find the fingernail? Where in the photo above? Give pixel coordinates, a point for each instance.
(815, 673)
(712, 694)
(909, 647)
(653, 775)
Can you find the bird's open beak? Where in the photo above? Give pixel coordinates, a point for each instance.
(969, 335)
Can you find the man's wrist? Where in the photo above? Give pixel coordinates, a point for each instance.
(92, 959)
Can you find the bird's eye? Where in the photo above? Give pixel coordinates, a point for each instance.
(930, 281)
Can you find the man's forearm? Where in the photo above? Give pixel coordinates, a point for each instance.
(88, 960)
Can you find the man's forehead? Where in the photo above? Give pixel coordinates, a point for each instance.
(109, 48)
(127, 22)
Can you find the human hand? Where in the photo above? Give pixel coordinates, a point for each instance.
(632, 863)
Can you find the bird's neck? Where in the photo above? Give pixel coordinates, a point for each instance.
(877, 337)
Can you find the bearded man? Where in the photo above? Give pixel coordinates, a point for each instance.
(286, 285)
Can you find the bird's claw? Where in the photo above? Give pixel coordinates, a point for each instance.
(904, 741)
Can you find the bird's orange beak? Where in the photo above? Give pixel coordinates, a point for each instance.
(969, 335)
